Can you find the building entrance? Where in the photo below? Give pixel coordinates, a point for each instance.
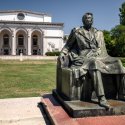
(6, 51)
(35, 52)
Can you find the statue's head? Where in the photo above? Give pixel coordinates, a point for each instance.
(87, 19)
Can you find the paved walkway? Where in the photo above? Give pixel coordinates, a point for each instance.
(22, 111)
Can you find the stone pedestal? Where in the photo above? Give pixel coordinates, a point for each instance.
(58, 116)
(77, 108)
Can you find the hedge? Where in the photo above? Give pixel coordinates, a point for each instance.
(52, 53)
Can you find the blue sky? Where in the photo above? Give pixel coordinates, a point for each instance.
(70, 12)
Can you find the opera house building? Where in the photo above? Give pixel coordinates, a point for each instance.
(29, 33)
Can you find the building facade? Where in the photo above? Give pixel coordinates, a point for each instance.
(29, 33)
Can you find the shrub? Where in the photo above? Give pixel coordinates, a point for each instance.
(52, 53)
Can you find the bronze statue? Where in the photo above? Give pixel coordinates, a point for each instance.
(88, 55)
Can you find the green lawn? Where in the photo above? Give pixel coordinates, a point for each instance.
(27, 78)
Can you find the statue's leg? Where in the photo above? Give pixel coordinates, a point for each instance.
(86, 88)
(98, 87)
(121, 87)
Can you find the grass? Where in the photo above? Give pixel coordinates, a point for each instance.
(27, 78)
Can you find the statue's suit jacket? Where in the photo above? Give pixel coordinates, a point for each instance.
(87, 52)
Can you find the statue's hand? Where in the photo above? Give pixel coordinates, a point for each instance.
(98, 51)
(63, 59)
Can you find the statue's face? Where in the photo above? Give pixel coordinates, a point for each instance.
(88, 20)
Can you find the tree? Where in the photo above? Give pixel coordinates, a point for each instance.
(115, 39)
(122, 14)
(118, 36)
(110, 43)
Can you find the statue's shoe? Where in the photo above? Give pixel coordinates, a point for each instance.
(104, 104)
(121, 97)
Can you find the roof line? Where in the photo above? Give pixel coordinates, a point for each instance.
(23, 11)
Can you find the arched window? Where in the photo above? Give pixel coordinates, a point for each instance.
(35, 40)
(20, 40)
(5, 39)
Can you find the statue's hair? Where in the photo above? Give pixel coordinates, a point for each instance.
(84, 16)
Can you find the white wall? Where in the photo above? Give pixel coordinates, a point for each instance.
(32, 18)
(53, 36)
(55, 33)
(57, 41)
(47, 19)
(28, 17)
(7, 17)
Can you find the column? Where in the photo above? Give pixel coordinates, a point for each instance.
(14, 43)
(29, 43)
(41, 39)
(44, 44)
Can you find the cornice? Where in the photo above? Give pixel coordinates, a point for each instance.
(32, 23)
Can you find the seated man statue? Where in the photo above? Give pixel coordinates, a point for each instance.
(88, 55)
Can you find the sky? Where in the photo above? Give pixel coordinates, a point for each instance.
(70, 12)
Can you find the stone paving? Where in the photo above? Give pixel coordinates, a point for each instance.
(22, 111)
(29, 111)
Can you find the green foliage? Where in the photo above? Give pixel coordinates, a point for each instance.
(118, 36)
(117, 31)
(122, 14)
(52, 53)
(115, 39)
(110, 43)
(107, 38)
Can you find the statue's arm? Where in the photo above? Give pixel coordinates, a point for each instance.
(67, 47)
(69, 44)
